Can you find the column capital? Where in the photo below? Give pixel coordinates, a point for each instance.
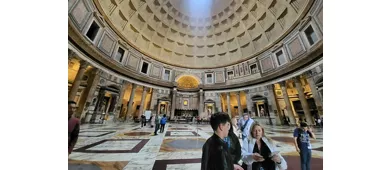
(237, 93)
(71, 54)
(125, 83)
(95, 70)
(133, 85)
(269, 87)
(296, 80)
(246, 91)
(174, 89)
(309, 74)
(83, 64)
(282, 83)
(201, 91)
(146, 88)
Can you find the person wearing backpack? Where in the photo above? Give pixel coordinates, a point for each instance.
(162, 123)
(302, 144)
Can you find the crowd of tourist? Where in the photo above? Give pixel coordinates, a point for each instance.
(223, 151)
(257, 152)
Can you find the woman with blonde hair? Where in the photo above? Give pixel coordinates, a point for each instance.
(259, 153)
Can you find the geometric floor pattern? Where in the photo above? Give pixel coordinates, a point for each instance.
(127, 146)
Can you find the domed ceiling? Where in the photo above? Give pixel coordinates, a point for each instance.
(201, 33)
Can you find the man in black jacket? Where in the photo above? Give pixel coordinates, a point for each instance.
(215, 154)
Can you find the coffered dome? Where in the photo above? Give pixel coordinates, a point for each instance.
(202, 33)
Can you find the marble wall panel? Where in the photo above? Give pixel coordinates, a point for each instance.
(133, 62)
(219, 77)
(107, 44)
(266, 64)
(295, 47)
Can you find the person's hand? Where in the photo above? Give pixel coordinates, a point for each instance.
(310, 130)
(257, 157)
(238, 167)
(276, 158)
(298, 150)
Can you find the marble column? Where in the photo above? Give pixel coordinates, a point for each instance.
(141, 107)
(249, 102)
(239, 103)
(154, 102)
(228, 103)
(173, 105)
(290, 113)
(87, 95)
(316, 96)
(71, 55)
(77, 80)
(272, 100)
(218, 102)
(201, 102)
(302, 99)
(120, 99)
(130, 104)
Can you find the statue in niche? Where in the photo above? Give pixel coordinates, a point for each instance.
(262, 111)
(162, 109)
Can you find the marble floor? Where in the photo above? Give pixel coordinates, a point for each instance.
(179, 147)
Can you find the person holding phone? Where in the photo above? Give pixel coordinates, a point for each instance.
(302, 144)
(259, 153)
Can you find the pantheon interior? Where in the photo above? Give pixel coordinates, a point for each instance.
(185, 59)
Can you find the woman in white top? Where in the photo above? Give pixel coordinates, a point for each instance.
(259, 153)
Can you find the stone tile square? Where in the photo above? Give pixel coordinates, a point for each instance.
(181, 133)
(94, 133)
(114, 146)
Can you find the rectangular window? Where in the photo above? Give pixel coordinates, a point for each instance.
(209, 78)
(311, 35)
(253, 68)
(230, 75)
(92, 31)
(167, 74)
(119, 55)
(144, 68)
(280, 57)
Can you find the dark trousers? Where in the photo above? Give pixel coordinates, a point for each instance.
(305, 159)
(156, 128)
(162, 128)
(143, 124)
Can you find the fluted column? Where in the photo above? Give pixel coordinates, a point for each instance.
(274, 109)
(77, 80)
(218, 102)
(120, 99)
(87, 95)
(173, 105)
(141, 107)
(249, 102)
(130, 104)
(290, 113)
(239, 103)
(201, 103)
(228, 103)
(302, 99)
(316, 96)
